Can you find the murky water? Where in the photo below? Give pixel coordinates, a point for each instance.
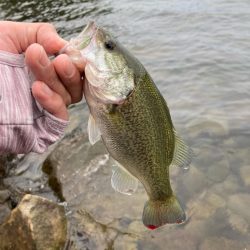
(198, 53)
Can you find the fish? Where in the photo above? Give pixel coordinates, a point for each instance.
(129, 114)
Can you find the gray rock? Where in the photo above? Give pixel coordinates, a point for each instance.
(4, 212)
(36, 223)
(4, 195)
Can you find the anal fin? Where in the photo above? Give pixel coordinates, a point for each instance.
(122, 181)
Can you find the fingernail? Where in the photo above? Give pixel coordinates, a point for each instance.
(47, 90)
(43, 60)
(69, 70)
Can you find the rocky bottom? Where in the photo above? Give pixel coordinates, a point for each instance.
(63, 199)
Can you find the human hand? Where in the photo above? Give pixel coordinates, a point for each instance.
(58, 82)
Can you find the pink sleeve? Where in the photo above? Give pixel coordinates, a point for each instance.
(24, 126)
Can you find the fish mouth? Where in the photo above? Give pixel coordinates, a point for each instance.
(85, 37)
(82, 41)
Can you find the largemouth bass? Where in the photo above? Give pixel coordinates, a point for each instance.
(130, 115)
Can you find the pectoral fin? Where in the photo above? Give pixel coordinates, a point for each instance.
(183, 154)
(122, 181)
(93, 131)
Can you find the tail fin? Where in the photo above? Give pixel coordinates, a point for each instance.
(158, 213)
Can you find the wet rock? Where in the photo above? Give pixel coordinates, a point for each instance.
(36, 223)
(245, 175)
(4, 212)
(219, 243)
(6, 162)
(4, 208)
(92, 234)
(4, 195)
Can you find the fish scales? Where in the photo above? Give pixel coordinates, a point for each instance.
(143, 142)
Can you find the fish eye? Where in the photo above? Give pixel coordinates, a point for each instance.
(109, 45)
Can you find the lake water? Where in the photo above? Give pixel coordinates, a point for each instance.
(198, 53)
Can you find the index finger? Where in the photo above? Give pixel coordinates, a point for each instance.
(48, 37)
(23, 35)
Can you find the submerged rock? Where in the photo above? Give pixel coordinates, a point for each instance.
(238, 223)
(239, 204)
(79, 174)
(218, 172)
(90, 233)
(36, 223)
(205, 127)
(219, 243)
(193, 182)
(245, 175)
(125, 242)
